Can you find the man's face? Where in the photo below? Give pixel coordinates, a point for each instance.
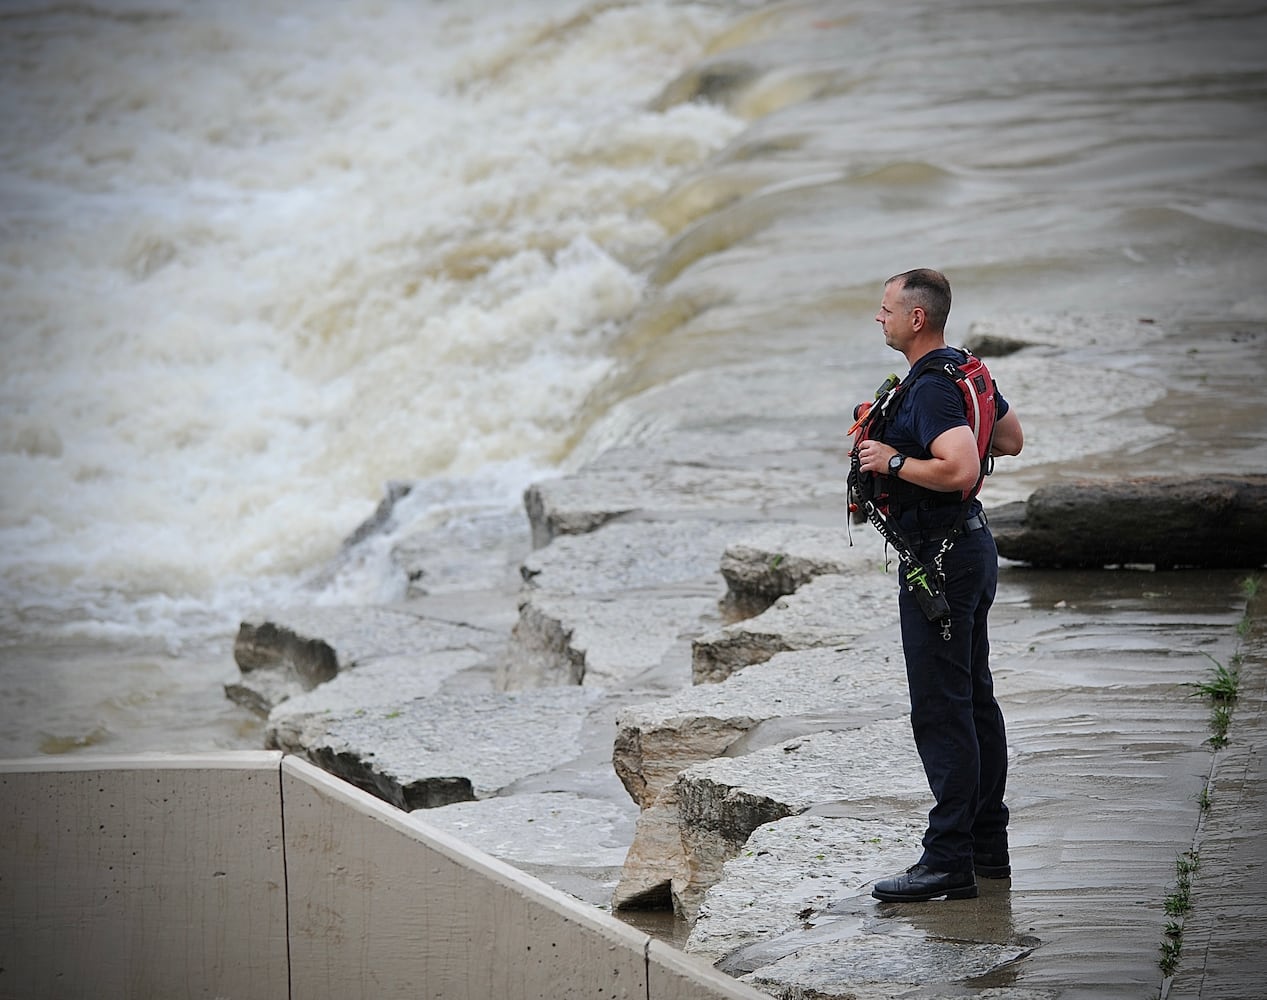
(895, 318)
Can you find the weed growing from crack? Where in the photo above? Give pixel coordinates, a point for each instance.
(1222, 691)
(1177, 904)
(1223, 685)
(1220, 722)
(1171, 949)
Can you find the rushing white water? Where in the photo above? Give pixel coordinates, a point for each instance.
(259, 259)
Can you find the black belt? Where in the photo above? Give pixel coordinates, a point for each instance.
(974, 523)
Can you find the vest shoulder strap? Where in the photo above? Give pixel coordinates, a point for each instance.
(980, 401)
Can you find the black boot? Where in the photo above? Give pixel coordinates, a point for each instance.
(919, 882)
(992, 864)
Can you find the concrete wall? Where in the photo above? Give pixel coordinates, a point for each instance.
(250, 875)
(150, 877)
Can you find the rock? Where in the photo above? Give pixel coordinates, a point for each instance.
(433, 751)
(865, 772)
(655, 859)
(841, 965)
(656, 741)
(828, 611)
(283, 655)
(393, 493)
(778, 559)
(609, 606)
(302, 662)
(612, 640)
(1213, 521)
(574, 842)
(547, 650)
(631, 556)
(793, 869)
(793, 692)
(717, 81)
(688, 474)
(386, 681)
(482, 550)
(1058, 333)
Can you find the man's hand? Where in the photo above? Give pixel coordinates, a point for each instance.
(873, 456)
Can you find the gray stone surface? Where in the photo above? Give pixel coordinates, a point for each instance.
(793, 868)
(283, 654)
(802, 691)
(433, 751)
(863, 772)
(1223, 935)
(750, 473)
(1054, 335)
(1107, 762)
(776, 560)
(827, 611)
(575, 842)
(609, 607)
(849, 966)
(630, 556)
(814, 688)
(786, 811)
(865, 768)
(603, 640)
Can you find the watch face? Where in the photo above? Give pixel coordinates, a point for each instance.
(895, 463)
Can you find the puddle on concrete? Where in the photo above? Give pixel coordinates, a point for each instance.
(1099, 594)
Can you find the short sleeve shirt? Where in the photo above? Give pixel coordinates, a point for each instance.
(927, 408)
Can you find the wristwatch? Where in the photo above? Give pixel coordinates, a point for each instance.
(895, 464)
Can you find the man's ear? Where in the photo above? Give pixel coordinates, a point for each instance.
(918, 318)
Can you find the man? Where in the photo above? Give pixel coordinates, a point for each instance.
(929, 454)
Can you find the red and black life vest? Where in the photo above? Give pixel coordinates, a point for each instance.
(979, 391)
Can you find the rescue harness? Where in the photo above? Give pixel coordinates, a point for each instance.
(881, 499)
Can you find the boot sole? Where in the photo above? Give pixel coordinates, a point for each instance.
(964, 892)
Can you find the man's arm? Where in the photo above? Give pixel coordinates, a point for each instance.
(1009, 437)
(954, 465)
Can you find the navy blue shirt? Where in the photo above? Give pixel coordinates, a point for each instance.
(924, 410)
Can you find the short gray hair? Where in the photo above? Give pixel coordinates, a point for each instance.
(928, 289)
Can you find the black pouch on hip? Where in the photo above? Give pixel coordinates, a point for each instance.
(923, 584)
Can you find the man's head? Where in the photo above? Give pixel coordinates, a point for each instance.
(914, 309)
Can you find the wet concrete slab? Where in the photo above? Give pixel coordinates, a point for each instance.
(1110, 772)
(1104, 791)
(1224, 951)
(1109, 762)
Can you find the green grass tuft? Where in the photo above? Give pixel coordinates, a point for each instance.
(1223, 684)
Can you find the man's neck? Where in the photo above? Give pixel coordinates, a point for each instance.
(924, 345)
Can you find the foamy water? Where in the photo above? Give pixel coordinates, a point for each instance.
(259, 259)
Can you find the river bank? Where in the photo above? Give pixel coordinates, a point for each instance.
(499, 706)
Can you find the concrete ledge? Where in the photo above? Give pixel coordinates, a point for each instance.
(428, 913)
(153, 876)
(254, 875)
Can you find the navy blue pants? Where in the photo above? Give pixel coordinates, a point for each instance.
(957, 723)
